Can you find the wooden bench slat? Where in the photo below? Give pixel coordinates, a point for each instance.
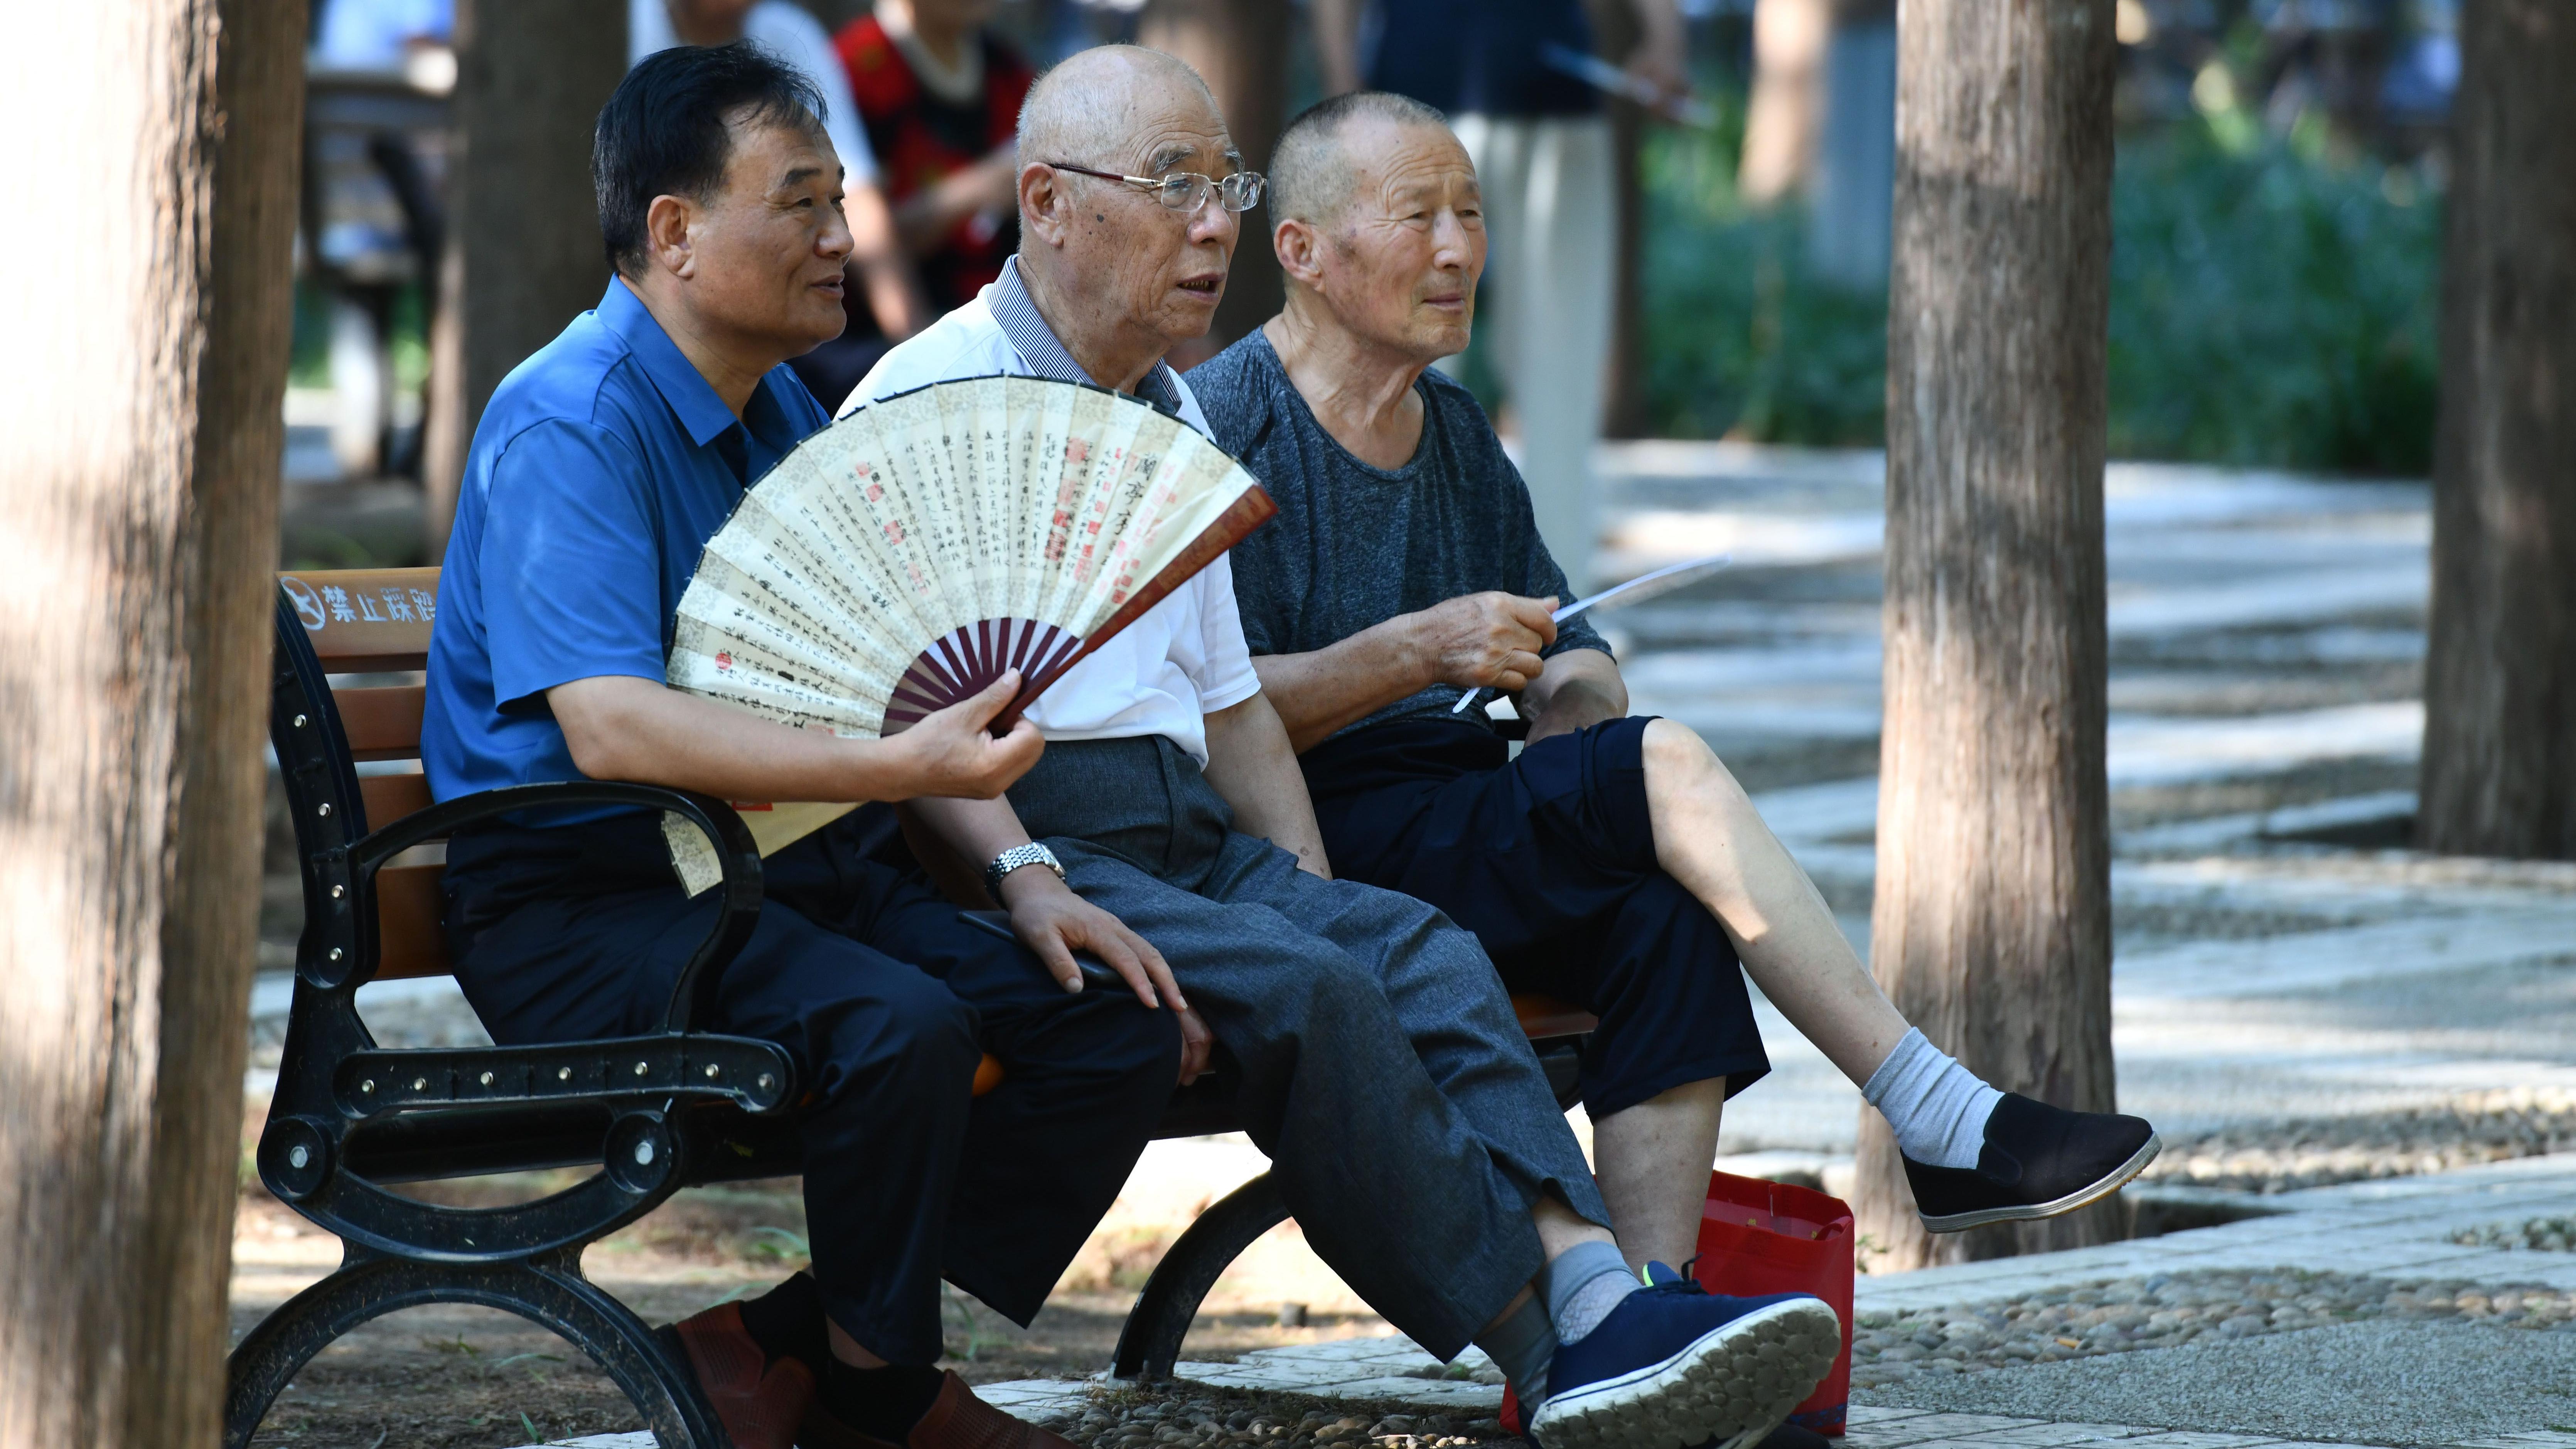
(1541, 1017)
(364, 620)
(409, 940)
(384, 723)
(391, 797)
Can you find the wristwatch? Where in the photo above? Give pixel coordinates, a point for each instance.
(1017, 856)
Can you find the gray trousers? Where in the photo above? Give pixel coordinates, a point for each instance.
(1406, 1118)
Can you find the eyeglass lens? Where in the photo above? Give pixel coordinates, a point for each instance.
(1189, 191)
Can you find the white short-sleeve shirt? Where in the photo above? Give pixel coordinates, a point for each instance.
(787, 31)
(1186, 656)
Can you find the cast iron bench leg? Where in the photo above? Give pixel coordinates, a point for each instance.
(1151, 1341)
(548, 1290)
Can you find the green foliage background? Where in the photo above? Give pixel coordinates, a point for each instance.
(2272, 302)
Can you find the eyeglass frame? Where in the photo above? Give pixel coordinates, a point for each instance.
(1258, 184)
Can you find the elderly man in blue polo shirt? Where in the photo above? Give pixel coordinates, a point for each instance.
(596, 476)
(1410, 1128)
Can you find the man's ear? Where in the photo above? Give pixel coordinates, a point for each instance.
(1042, 203)
(667, 243)
(1300, 249)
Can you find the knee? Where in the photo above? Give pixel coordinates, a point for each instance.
(1676, 759)
(907, 1025)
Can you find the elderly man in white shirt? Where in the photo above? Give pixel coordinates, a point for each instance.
(1411, 1130)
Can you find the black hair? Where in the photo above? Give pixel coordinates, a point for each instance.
(663, 132)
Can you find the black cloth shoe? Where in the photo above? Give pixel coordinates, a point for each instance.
(2038, 1161)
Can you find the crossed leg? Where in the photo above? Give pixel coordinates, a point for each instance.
(1708, 837)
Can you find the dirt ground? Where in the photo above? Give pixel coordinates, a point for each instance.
(472, 1378)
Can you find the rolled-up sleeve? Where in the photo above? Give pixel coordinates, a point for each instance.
(571, 568)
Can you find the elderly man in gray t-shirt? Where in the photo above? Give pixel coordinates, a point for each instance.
(1615, 862)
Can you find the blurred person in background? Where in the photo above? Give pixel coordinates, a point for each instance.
(1542, 148)
(882, 285)
(940, 95)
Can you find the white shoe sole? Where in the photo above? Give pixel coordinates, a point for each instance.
(2110, 1183)
(1733, 1385)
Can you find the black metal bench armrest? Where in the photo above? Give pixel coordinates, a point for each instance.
(753, 1075)
(736, 853)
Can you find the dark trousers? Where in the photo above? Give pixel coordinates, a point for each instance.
(887, 1001)
(1408, 1123)
(1550, 859)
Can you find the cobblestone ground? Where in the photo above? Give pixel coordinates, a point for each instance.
(2276, 1157)
(1196, 1418)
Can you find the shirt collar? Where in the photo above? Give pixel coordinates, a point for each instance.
(1018, 315)
(676, 378)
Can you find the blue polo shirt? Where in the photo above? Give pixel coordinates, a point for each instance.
(601, 467)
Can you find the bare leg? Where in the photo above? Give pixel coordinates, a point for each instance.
(1653, 1161)
(1709, 838)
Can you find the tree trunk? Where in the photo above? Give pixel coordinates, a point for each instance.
(1240, 47)
(138, 524)
(1615, 33)
(2500, 677)
(531, 78)
(1992, 923)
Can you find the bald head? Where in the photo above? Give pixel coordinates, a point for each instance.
(1313, 169)
(1089, 108)
(1118, 275)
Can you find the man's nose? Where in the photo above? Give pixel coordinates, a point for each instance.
(1212, 222)
(836, 241)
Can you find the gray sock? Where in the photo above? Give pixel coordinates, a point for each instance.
(1582, 1285)
(1938, 1107)
(1522, 1346)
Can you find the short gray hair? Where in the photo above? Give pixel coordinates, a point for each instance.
(1310, 172)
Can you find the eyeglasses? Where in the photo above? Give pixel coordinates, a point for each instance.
(1188, 191)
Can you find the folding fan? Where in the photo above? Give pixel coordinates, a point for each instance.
(902, 558)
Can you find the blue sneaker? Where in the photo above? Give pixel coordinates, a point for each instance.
(1676, 1365)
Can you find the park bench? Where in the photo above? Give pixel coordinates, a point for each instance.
(652, 1114)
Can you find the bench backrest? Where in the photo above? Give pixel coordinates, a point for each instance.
(377, 621)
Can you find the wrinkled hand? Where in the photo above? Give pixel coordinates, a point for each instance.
(1489, 640)
(952, 753)
(1660, 68)
(1054, 922)
(1196, 1039)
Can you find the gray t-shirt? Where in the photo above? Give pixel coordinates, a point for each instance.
(1353, 545)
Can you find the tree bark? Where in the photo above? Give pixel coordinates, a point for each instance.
(1991, 928)
(143, 397)
(1240, 47)
(531, 78)
(1615, 33)
(2500, 675)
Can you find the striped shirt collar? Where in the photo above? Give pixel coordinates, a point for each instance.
(1046, 357)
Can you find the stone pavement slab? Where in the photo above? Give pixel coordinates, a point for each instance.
(2380, 1383)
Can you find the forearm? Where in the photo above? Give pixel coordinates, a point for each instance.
(1660, 25)
(924, 219)
(1317, 693)
(880, 264)
(974, 831)
(645, 732)
(1251, 765)
(1578, 688)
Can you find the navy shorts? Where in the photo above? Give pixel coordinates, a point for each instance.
(1550, 859)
